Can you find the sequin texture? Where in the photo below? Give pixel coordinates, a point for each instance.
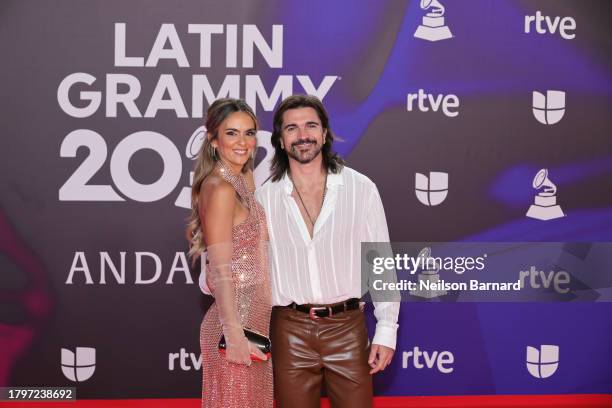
(226, 384)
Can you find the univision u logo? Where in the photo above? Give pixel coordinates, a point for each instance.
(548, 109)
(79, 365)
(431, 190)
(542, 362)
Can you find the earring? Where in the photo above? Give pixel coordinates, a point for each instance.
(253, 154)
(212, 151)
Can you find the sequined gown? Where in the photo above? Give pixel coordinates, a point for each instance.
(226, 384)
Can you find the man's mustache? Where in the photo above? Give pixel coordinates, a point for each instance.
(303, 142)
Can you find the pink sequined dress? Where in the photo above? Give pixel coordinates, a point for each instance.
(227, 384)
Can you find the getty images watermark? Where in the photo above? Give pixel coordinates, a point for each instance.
(493, 271)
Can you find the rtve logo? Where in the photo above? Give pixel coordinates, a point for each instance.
(543, 362)
(80, 365)
(424, 102)
(558, 280)
(187, 361)
(441, 360)
(431, 190)
(545, 24)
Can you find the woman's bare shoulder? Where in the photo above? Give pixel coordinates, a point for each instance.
(216, 190)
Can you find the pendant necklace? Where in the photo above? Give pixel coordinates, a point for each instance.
(302, 201)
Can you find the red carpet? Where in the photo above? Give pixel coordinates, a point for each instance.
(557, 401)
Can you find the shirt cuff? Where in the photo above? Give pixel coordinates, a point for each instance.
(385, 335)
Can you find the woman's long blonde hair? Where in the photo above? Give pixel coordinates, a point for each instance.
(205, 163)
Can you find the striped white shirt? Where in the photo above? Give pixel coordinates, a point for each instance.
(326, 269)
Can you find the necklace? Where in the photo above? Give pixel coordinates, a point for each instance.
(237, 181)
(304, 205)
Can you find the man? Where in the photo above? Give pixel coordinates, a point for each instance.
(319, 211)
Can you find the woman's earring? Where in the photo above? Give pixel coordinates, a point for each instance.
(213, 152)
(253, 154)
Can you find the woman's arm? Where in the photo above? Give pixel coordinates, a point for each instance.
(217, 206)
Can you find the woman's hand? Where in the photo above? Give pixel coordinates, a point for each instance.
(238, 348)
(255, 351)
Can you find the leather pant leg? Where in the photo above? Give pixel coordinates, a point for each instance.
(345, 350)
(305, 352)
(295, 358)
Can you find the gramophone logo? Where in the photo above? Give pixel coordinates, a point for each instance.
(548, 109)
(79, 365)
(431, 190)
(545, 203)
(429, 277)
(432, 27)
(542, 362)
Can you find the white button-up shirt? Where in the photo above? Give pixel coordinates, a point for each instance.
(326, 269)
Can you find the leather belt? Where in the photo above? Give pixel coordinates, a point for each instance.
(316, 312)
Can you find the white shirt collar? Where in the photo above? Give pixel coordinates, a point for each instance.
(333, 180)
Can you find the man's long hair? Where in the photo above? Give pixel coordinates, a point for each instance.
(280, 162)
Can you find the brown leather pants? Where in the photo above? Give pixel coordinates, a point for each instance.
(306, 352)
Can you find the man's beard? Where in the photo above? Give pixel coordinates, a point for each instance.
(306, 156)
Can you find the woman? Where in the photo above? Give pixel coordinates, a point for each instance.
(230, 225)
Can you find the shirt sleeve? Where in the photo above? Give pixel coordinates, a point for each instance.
(386, 313)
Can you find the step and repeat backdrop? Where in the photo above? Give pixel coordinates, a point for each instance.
(479, 121)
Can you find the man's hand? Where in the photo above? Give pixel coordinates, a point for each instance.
(380, 357)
